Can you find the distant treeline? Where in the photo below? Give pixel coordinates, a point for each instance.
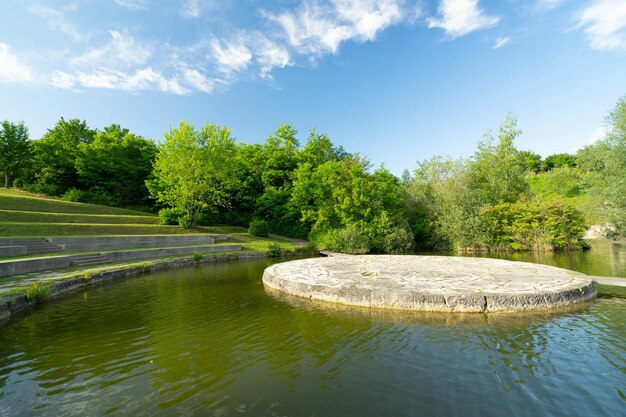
(498, 199)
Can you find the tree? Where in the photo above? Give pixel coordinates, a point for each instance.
(446, 211)
(55, 155)
(605, 165)
(193, 170)
(15, 149)
(497, 171)
(531, 160)
(558, 160)
(116, 164)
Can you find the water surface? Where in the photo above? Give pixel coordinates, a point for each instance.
(211, 341)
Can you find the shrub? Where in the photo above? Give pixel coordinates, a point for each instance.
(535, 225)
(198, 257)
(398, 240)
(274, 250)
(347, 240)
(36, 291)
(185, 221)
(259, 228)
(74, 194)
(168, 216)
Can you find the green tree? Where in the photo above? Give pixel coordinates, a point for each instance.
(531, 160)
(559, 160)
(497, 170)
(195, 170)
(116, 164)
(55, 156)
(446, 210)
(605, 165)
(15, 149)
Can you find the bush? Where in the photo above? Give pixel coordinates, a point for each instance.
(259, 228)
(274, 250)
(535, 225)
(398, 241)
(185, 221)
(37, 291)
(74, 194)
(198, 257)
(347, 240)
(168, 216)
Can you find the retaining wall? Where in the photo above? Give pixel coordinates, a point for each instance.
(26, 266)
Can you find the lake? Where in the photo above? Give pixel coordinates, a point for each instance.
(212, 341)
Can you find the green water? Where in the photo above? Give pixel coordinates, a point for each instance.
(211, 341)
(604, 258)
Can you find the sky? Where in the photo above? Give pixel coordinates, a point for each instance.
(398, 81)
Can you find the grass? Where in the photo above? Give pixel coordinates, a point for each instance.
(73, 229)
(16, 216)
(12, 199)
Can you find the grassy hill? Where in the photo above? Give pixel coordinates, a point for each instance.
(27, 214)
(24, 214)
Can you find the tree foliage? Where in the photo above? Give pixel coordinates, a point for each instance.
(605, 163)
(195, 170)
(55, 156)
(15, 149)
(114, 165)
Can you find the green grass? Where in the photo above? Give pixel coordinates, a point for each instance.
(15, 216)
(12, 199)
(73, 229)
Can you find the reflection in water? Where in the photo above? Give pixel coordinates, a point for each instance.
(211, 341)
(604, 258)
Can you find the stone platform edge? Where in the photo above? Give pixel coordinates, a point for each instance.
(13, 304)
(423, 301)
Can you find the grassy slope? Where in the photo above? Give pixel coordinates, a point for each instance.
(27, 214)
(11, 199)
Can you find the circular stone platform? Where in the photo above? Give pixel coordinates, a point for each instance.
(431, 283)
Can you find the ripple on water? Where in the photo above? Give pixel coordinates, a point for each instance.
(212, 341)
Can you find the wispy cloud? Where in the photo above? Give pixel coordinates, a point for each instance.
(191, 8)
(11, 68)
(604, 22)
(460, 17)
(139, 80)
(547, 5)
(134, 4)
(320, 28)
(121, 51)
(501, 42)
(270, 55)
(231, 56)
(56, 20)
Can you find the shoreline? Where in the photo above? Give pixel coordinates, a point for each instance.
(11, 305)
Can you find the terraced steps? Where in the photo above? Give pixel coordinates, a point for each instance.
(33, 246)
(90, 259)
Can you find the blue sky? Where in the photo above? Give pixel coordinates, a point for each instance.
(398, 81)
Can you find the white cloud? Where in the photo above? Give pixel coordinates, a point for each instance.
(321, 28)
(547, 5)
(145, 79)
(605, 24)
(55, 18)
(501, 42)
(198, 81)
(270, 55)
(191, 8)
(121, 51)
(460, 17)
(63, 80)
(232, 57)
(134, 4)
(11, 68)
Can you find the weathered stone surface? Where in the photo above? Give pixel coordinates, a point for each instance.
(431, 283)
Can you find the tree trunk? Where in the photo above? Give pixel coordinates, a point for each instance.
(6, 180)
